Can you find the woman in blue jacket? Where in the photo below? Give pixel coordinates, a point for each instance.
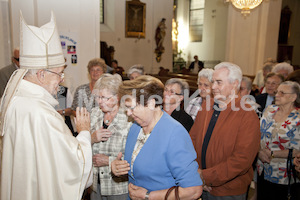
(159, 153)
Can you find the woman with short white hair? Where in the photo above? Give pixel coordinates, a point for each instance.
(204, 87)
(283, 68)
(110, 126)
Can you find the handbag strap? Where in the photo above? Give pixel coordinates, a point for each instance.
(289, 165)
(176, 193)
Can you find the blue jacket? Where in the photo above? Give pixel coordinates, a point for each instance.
(166, 159)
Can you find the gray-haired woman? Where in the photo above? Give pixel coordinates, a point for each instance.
(83, 94)
(174, 91)
(110, 126)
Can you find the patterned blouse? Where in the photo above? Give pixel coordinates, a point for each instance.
(83, 98)
(110, 184)
(194, 107)
(278, 136)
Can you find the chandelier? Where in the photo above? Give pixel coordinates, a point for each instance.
(245, 5)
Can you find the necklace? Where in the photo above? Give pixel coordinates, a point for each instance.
(110, 116)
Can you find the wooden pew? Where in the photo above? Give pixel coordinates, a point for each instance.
(191, 79)
(192, 83)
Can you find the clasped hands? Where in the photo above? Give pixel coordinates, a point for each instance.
(121, 167)
(265, 155)
(205, 187)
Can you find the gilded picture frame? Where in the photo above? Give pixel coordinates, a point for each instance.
(135, 19)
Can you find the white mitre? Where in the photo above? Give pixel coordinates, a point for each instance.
(40, 48)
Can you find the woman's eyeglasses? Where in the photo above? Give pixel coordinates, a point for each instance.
(172, 92)
(103, 98)
(280, 93)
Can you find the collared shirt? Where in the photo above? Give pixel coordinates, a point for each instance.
(110, 184)
(269, 101)
(278, 136)
(194, 107)
(83, 98)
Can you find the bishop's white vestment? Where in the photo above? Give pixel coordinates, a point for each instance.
(41, 159)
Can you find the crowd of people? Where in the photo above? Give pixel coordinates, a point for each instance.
(138, 138)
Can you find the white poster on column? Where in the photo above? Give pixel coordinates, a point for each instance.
(70, 47)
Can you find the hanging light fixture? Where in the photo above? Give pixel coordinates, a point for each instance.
(245, 5)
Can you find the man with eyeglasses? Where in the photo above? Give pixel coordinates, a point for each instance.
(7, 71)
(41, 159)
(272, 82)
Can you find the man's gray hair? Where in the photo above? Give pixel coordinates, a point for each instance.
(235, 72)
(136, 68)
(248, 82)
(268, 66)
(184, 86)
(109, 82)
(283, 66)
(206, 73)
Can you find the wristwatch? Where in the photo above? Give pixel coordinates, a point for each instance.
(64, 112)
(272, 154)
(147, 195)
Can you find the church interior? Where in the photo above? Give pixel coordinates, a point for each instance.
(214, 30)
(163, 36)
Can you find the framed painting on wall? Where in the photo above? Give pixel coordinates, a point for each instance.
(135, 19)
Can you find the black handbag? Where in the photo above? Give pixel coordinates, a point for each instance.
(290, 170)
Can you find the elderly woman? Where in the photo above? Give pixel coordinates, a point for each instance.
(283, 68)
(159, 152)
(110, 126)
(280, 138)
(135, 71)
(204, 87)
(175, 89)
(83, 94)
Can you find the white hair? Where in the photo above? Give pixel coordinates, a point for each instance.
(136, 68)
(206, 73)
(235, 72)
(283, 66)
(248, 82)
(109, 82)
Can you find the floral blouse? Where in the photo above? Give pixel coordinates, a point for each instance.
(278, 136)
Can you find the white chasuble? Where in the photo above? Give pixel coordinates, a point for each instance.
(41, 159)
